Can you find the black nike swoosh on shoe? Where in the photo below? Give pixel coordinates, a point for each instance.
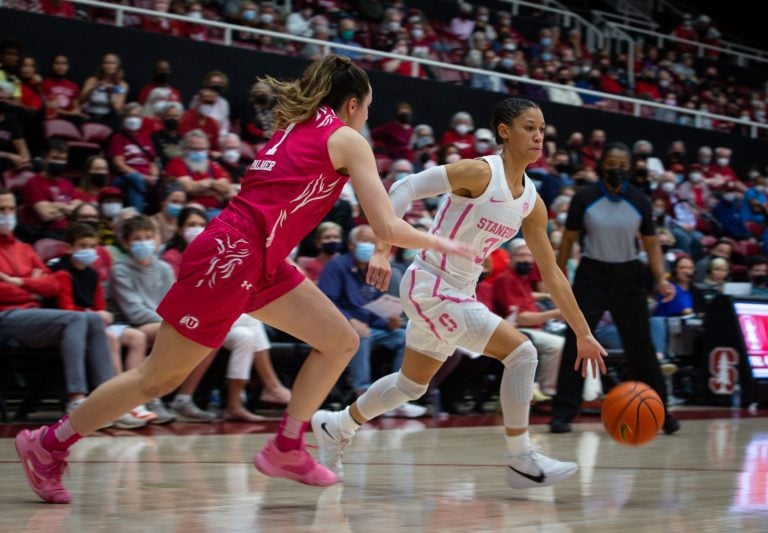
(536, 479)
(322, 426)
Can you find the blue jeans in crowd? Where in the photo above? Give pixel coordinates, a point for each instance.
(135, 189)
(360, 365)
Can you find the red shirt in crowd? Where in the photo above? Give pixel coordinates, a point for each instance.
(138, 157)
(144, 92)
(511, 289)
(393, 139)
(58, 8)
(19, 260)
(42, 189)
(192, 120)
(59, 94)
(465, 143)
(177, 168)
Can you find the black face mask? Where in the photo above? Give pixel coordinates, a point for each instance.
(550, 139)
(403, 118)
(331, 247)
(92, 223)
(562, 167)
(218, 88)
(615, 177)
(162, 77)
(171, 124)
(423, 158)
(760, 280)
(641, 174)
(56, 169)
(523, 269)
(98, 179)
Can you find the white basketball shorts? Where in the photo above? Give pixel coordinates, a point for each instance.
(442, 317)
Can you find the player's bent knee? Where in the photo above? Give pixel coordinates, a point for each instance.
(411, 389)
(519, 374)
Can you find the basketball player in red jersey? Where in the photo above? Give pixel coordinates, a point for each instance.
(238, 265)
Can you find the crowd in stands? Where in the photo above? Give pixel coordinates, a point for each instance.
(105, 181)
(477, 37)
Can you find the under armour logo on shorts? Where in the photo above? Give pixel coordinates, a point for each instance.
(247, 285)
(189, 321)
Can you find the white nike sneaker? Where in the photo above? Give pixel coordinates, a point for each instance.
(331, 441)
(533, 469)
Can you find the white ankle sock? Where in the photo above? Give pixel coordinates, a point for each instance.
(347, 423)
(182, 398)
(519, 443)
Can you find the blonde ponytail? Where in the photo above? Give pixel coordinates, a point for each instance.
(329, 81)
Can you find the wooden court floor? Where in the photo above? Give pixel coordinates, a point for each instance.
(405, 476)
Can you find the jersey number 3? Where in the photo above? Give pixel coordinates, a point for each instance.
(490, 242)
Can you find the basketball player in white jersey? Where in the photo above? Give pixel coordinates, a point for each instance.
(490, 199)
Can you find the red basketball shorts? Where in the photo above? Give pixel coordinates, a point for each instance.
(221, 277)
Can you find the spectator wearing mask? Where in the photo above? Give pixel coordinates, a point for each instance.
(592, 152)
(513, 299)
(50, 197)
(328, 242)
(81, 290)
(262, 126)
(393, 138)
(485, 142)
(346, 36)
(722, 176)
(200, 117)
(728, 212)
(154, 108)
(167, 140)
(132, 154)
(343, 281)
(460, 134)
(232, 159)
(162, 74)
(717, 274)
(643, 150)
(88, 213)
(140, 280)
(25, 282)
(204, 181)
(463, 24)
(172, 202)
(217, 83)
(423, 148)
(402, 67)
(94, 178)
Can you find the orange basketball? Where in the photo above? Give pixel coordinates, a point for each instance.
(632, 413)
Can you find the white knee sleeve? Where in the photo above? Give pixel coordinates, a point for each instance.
(387, 393)
(517, 385)
(241, 342)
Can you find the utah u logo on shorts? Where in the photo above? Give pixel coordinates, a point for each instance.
(189, 321)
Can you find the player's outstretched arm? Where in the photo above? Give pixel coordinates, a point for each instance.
(590, 353)
(350, 151)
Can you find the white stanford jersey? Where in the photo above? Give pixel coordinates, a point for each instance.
(485, 223)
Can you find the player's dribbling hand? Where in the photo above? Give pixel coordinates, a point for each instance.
(590, 355)
(450, 247)
(379, 272)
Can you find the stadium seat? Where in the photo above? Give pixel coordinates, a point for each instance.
(49, 249)
(93, 132)
(62, 129)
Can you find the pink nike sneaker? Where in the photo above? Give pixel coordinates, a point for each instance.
(43, 468)
(297, 465)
